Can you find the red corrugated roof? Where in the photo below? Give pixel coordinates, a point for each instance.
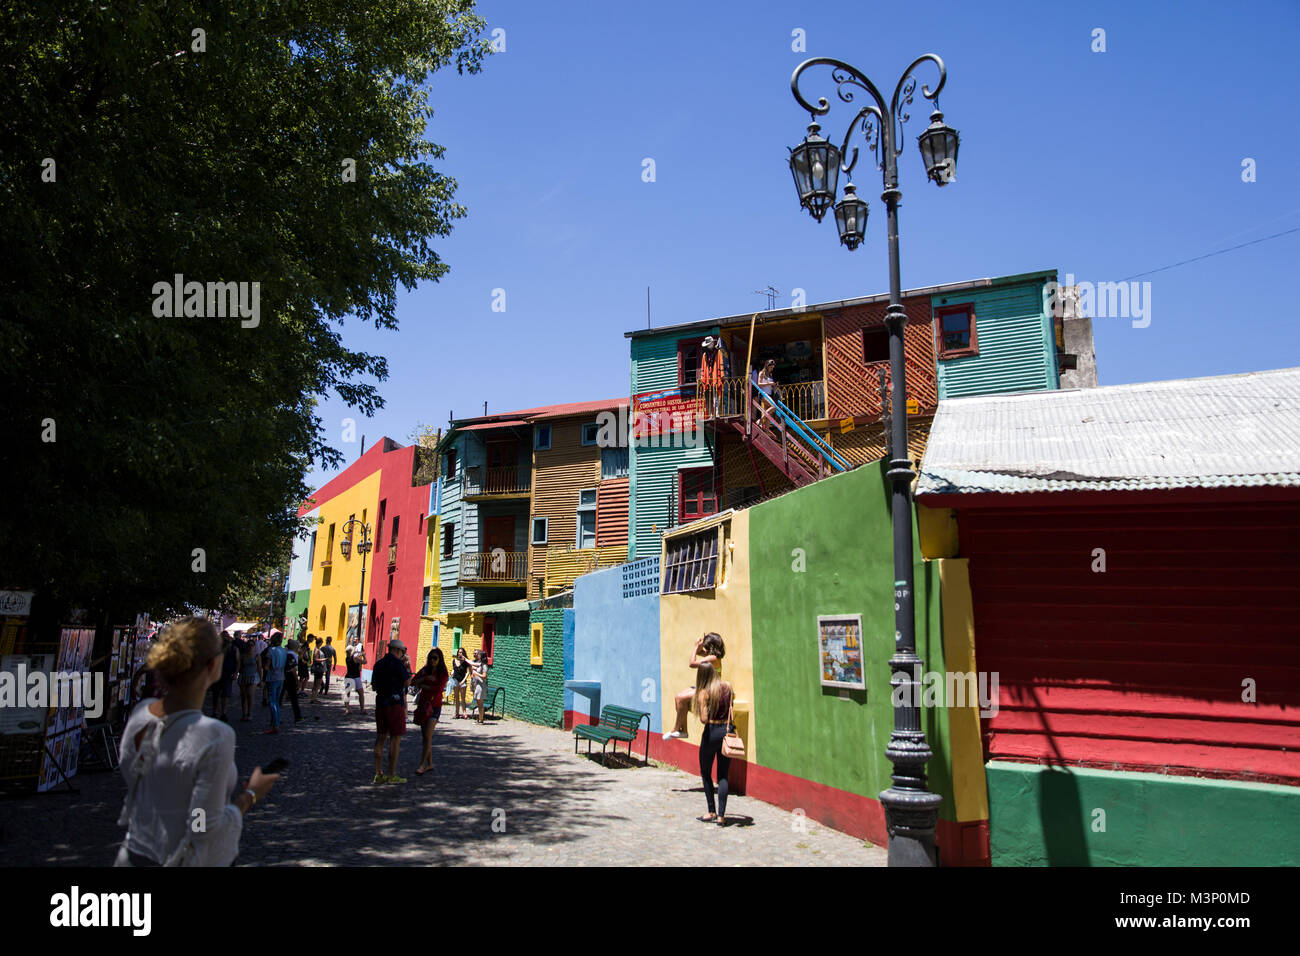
(544, 411)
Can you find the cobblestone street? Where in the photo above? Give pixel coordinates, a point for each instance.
(556, 808)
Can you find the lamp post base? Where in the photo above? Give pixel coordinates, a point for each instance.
(911, 817)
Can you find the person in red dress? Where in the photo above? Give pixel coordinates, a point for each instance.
(430, 680)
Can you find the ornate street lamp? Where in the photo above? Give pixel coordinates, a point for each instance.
(815, 164)
(363, 548)
(911, 810)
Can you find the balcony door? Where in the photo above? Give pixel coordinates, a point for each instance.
(502, 465)
(497, 533)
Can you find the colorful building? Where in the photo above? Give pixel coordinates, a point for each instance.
(1132, 553)
(298, 584)
(700, 453)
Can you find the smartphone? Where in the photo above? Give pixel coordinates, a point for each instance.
(276, 765)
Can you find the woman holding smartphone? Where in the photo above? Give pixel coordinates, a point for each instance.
(179, 765)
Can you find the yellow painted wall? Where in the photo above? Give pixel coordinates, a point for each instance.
(472, 638)
(433, 551)
(344, 586)
(726, 610)
(970, 787)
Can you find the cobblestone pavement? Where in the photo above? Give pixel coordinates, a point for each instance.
(550, 806)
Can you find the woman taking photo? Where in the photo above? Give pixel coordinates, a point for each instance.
(179, 765)
(713, 708)
(430, 680)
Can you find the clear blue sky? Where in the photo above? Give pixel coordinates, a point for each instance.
(1103, 165)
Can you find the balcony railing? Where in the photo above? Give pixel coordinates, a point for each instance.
(494, 567)
(805, 399)
(507, 480)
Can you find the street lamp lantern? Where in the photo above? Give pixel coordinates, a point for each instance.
(815, 164)
(345, 547)
(939, 145)
(851, 217)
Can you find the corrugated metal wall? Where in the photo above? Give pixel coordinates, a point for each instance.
(611, 512)
(653, 470)
(853, 386)
(559, 474)
(1144, 665)
(1016, 343)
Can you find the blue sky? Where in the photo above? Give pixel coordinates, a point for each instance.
(1104, 165)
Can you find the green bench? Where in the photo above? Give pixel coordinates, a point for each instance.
(490, 695)
(616, 723)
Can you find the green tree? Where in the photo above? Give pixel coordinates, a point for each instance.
(157, 461)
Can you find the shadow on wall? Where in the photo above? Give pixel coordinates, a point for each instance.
(1062, 818)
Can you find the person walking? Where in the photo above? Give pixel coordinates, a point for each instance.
(276, 660)
(176, 761)
(430, 680)
(478, 681)
(317, 673)
(304, 665)
(459, 677)
(229, 671)
(389, 679)
(290, 690)
(248, 677)
(713, 701)
(331, 659)
(354, 659)
(260, 645)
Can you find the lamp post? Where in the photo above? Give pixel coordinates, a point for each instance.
(363, 548)
(911, 810)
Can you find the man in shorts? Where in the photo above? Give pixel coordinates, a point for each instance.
(331, 657)
(389, 679)
(354, 658)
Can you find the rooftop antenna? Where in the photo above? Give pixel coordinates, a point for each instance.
(771, 294)
(647, 307)
(485, 409)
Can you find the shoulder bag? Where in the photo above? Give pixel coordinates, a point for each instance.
(733, 745)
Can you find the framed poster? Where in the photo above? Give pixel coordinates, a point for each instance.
(394, 628)
(839, 649)
(356, 623)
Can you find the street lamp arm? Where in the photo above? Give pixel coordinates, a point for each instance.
(907, 87)
(871, 123)
(844, 75)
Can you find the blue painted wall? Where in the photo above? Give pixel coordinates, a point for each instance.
(1016, 341)
(616, 642)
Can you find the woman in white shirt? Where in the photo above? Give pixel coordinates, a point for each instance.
(182, 805)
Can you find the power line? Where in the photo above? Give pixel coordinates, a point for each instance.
(1208, 255)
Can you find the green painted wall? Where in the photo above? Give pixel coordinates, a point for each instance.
(1040, 816)
(1017, 344)
(294, 608)
(842, 524)
(532, 693)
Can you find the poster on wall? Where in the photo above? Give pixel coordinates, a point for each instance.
(356, 623)
(839, 640)
(394, 629)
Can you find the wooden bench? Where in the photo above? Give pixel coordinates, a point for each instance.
(616, 723)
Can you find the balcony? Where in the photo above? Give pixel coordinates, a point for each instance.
(509, 481)
(494, 568)
(805, 399)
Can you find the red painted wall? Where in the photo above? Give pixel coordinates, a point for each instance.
(398, 590)
(1141, 667)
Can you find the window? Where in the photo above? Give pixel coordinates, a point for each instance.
(586, 537)
(311, 555)
(329, 548)
(424, 608)
(697, 498)
(448, 537)
(589, 432)
(955, 331)
(541, 527)
(396, 520)
(613, 463)
(692, 563)
(456, 635)
(450, 470)
(688, 363)
(875, 344)
(542, 437)
(379, 528)
(535, 653)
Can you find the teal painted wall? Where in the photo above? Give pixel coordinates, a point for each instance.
(1040, 816)
(843, 527)
(1017, 344)
(653, 470)
(533, 693)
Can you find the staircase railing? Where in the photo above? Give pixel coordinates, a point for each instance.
(794, 423)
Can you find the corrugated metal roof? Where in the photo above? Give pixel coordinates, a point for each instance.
(505, 607)
(1228, 431)
(512, 423)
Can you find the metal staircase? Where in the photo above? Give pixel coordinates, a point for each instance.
(786, 441)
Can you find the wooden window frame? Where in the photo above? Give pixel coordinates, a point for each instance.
(714, 481)
(537, 438)
(581, 510)
(622, 472)
(945, 310)
(585, 426)
(448, 540)
(536, 651)
(546, 530)
(693, 562)
(873, 329)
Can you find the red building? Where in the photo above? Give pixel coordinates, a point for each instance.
(397, 583)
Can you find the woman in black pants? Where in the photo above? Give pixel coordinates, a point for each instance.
(713, 708)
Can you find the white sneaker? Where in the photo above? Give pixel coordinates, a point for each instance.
(673, 733)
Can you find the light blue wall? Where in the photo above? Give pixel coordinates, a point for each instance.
(300, 566)
(615, 642)
(1016, 341)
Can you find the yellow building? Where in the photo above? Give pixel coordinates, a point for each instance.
(335, 579)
